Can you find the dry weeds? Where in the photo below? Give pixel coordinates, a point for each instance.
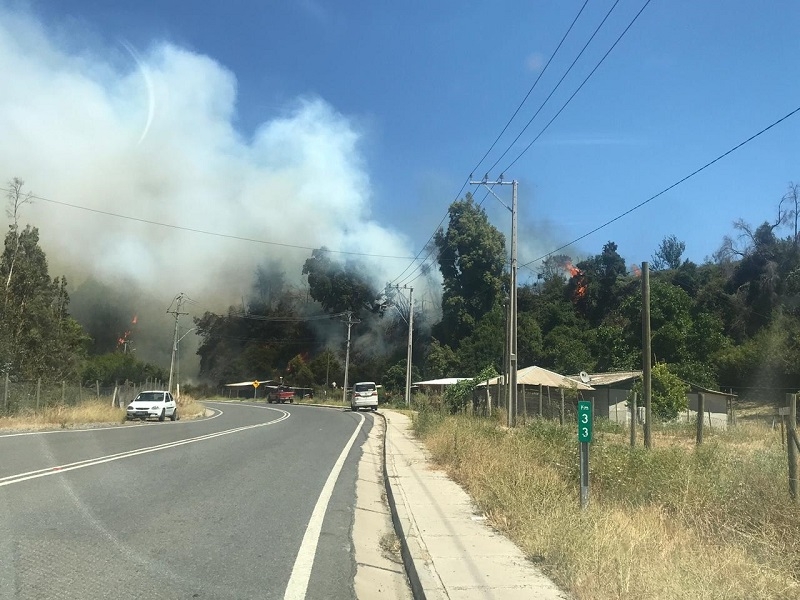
(89, 412)
(672, 523)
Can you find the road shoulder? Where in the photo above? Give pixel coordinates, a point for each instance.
(379, 568)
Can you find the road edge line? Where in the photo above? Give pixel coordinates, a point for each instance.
(297, 587)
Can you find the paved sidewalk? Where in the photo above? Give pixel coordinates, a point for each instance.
(454, 553)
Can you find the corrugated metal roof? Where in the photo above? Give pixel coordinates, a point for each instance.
(443, 381)
(600, 379)
(539, 376)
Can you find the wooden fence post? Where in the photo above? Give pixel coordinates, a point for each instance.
(540, 399)
(97, 387)
(701, 409)
(562, 406)
(791, 444)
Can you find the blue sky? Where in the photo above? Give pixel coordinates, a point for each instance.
(421, 89)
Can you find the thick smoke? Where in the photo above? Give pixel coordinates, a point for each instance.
(152, 136)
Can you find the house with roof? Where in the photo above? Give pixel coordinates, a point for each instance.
(611, 392)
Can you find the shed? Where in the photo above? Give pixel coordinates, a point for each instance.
(611, 393)
(437, 385)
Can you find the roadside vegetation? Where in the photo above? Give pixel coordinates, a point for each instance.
(88, 412)
(674, 522)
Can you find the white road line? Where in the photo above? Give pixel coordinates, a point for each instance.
(301, 571)
(20, 477)
(120, 426)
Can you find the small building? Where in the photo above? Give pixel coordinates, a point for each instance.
(436, 386)
(611, 393)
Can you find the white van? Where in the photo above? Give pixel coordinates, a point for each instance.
(364, 395)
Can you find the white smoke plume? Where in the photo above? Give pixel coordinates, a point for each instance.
(151, 135)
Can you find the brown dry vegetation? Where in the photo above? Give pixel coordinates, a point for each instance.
(89, 412)
(671, 523)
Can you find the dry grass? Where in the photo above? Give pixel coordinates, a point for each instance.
(672, 523)
(90, 412)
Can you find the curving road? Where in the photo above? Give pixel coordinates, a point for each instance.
(256, 502)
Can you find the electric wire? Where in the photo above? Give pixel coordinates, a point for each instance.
(508, 123)
(530, 91)
(206, 232)
(586, 79)
(560, 81)
(668, 188)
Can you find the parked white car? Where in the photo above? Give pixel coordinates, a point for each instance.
(153, 404)
(365, 395)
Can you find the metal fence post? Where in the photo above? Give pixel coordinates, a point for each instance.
(38, 392)
(5, 395)
(63, 392)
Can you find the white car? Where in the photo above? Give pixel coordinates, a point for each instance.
(365, 395)
(153, 404)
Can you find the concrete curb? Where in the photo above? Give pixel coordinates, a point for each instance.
(417, 589)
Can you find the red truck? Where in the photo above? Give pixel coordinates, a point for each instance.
(281, 395)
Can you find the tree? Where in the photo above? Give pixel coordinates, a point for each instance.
(440, 361)
(299, 373)
(668, 397)
(554, 266)
(668, 255)
(326, 367)
(338, 287)
(16, 200)
(472, 259)
(38, 338)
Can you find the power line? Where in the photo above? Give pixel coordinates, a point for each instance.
(286, 319)
(537, 112)
(553, 91)
(668, 188)
(530, 91)
(430, 239)
(206, 232)
(597, 66)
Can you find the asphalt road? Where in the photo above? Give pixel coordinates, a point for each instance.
(216, 508)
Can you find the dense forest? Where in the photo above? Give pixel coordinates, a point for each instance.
(729, 323)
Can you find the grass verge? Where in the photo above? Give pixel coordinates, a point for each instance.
(89, 412)
(675, 522)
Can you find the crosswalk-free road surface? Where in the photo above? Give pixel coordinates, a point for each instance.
(256, 502)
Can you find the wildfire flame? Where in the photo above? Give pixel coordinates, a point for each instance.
(580, 281)
(572, 269)
(126, 337)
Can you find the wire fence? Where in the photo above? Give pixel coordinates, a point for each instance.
(27, 395)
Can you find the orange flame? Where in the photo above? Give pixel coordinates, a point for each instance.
(572, 269)
(580, 283)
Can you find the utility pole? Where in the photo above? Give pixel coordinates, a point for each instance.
(350, 322)
(180, 299)
(410, 339)
(647, 354)
(511, 393)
